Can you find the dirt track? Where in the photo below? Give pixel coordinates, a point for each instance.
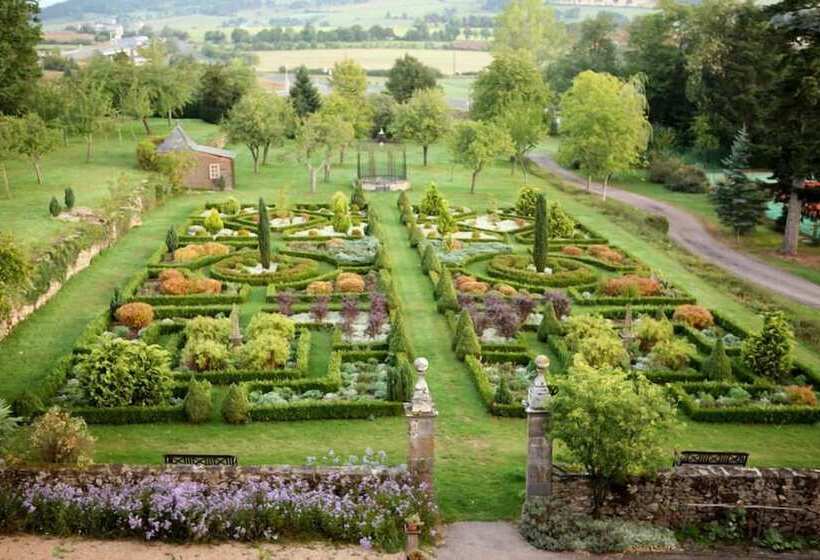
(688, 232)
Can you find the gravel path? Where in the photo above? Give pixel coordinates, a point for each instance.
(491, 541)
(687, 231)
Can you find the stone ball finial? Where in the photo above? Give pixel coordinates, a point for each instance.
(542, 362)
(421, 365)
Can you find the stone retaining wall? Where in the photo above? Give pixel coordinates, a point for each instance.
(786, 499)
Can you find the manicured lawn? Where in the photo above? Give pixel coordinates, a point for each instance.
(480, 459)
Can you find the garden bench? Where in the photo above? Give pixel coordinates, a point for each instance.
(186, 459)
(732, 458)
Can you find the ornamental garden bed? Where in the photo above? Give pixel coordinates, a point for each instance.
(601, 255)
(245, 267)
(497, 223)
(630, 289)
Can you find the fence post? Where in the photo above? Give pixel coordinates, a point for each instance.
(539, 443)
(421, 414)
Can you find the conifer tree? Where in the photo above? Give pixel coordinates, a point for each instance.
(740, 202)
(430, 260)
(718, 366)
(540, 247)
(502, 393)
(172, 240)
(263, 235)
(467, 343)
(303, 94)
(549, 323)
(447, 297)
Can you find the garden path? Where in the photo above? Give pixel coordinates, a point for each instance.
(689, 232)
(471, 470)
(491, 541)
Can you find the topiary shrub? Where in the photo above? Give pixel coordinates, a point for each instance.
(695, 316)
(400, 380)
(271, 323)
(525, 203)
(560, 302)
(54, 207)
(350, 283)
(561, 224)
(268, 350)
(198, 404)
(202, 354)
(231, 207)
(136, 315)
(263, 235)
(467, 342)
(236, 407)
(447, 298)
(319, 287)
(213, 222)
(671, 354)
(688, 179)
(68, 198)
(502, 392)
(210, 328)
(769, 353)
(57, 437)
(549, 325)
(118, 372)
(718, 366)
(430, 260)
(199, 250)
(432, 201)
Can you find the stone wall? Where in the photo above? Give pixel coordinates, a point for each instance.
(786, 499)
(212, 475)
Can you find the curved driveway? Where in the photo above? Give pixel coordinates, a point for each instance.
(687, 231)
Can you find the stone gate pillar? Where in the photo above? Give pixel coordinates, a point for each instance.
(421, 414)
(539, 443)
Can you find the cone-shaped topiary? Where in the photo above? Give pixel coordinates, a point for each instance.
(198, 402)
(769, 353)
(447, 297)
(415, 236)
(171, 240)
(549, 323)
(236, 407)
(263, 235)
(395, 340)
(718, 366)
(213, 222)
(357, 198)
(400, 380)
(429, 260)
(68, 197)
(403, 201)
(54, 207)
(502, 393)
(467, 343)
(540, 242)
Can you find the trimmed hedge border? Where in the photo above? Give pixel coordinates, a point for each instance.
(575, 273)
(327, 410)
(131, 414)
(579, 299)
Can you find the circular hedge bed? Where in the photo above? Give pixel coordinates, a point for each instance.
(286, 269)
(565, 272)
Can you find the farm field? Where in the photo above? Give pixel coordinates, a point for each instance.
(373, 59)
(480, 455)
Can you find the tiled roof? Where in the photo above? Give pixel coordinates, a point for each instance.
(179, 141)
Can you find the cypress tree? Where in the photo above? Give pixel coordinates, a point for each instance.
(172, 240)
(549, 323)
(467, 343)
(540, 243)
(263, 235)
(69, 198)
(404, 201)
(303, 94)
(396, 341)
(718, 366)
(54, 207)
(429, 260)
(447, 297)
(502, 393)
(740, 202)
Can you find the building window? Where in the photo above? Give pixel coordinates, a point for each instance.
(214, 171)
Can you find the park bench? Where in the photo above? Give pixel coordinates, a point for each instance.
(197, 459)
(731, 458)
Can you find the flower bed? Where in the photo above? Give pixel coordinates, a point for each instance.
(244, 267)
(351, 252)
(497, 223)
(468, 252)
(752, 404)
(367, 509)
(564, 272)
(602, 256)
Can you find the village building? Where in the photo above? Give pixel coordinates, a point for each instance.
(211, 168)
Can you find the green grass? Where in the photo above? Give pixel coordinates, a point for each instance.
(480, 459)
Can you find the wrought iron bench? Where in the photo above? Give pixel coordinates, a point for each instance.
(732, 458)
(210, 460)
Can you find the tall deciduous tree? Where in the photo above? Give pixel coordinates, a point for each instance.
(540, 247)
(739, 201)
(316, 139)
(221, 87)
(137, 103)
(793, 107)
(526, 123)
(613, 424)
(475, 144)
(36, 140)
(406, 76)
(531, 26)
(19, 69)
(594, 50)
(303, 94)
(258, 120)
(604, 123)
(89, 106)
(510, 76)
(424, 119)
(8, 147)
(348, 79)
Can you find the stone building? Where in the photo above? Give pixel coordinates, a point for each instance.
(212, 168)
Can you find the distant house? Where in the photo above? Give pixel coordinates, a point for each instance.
(212, 168)
(129, 46)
